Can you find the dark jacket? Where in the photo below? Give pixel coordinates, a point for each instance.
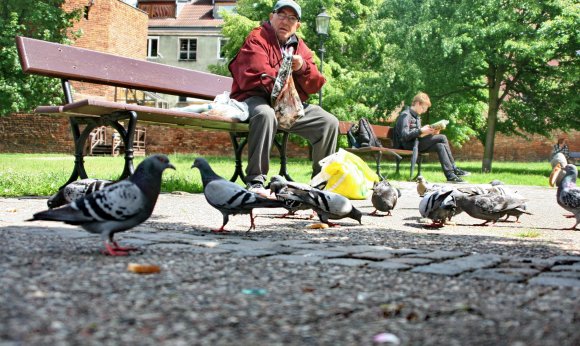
(407, 129)
(261, 53)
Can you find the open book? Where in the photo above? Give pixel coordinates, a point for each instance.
(440, 125)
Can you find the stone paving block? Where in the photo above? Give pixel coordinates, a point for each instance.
(554, 281)
(403, 251)
(389, 265)
(246, 246)
(292, 242)
(135, 242)
(572, 275)
(72, 234)
(359, 248)
(189, 248)
(526, 262)
(310, 246)
(255, 253)
(566, 268)
(412, 261)
(460, 265)
(349, 262)
(297, 258)
(565, 259)
(504, 274)
(373, 255)
(320, 253)
(439, 255)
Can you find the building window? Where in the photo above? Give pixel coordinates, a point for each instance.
(152, 47)
(221, 54)
(188, 49)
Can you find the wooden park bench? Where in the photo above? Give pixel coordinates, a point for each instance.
(385, 135)
(71, 63)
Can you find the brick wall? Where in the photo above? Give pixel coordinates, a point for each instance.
(110, 26)
(26, 133)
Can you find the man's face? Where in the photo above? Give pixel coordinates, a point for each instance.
(285, 23)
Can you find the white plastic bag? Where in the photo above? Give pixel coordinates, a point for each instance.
(346, 174)
(223, 106)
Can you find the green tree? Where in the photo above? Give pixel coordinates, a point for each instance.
(41, 19)
(516, 59)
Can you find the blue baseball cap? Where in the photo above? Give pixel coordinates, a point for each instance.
(288, 3)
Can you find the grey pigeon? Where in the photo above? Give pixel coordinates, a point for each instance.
(384, 197)
(117, 207)
(280, 187)
(328, 205)
(568, 194)
(502, 190)
(228, 197)
(489, 207)
(439, 206)
(75, 190)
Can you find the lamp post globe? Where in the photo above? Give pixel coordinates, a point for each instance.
(322, 24)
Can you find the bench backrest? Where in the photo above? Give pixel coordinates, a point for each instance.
(382, 132)
(85, 65)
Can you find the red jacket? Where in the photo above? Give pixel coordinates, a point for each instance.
(261, 54)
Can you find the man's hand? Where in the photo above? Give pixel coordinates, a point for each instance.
(297, 62)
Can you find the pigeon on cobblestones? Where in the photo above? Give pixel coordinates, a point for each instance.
(384, 197)
(491, 206)
(439, 206)
(280, 187)
(228, 197)
(328, 205)
(502, 190)
(75, 190)
(568, 194)
(117, 207)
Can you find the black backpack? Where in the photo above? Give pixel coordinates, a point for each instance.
(362, 135)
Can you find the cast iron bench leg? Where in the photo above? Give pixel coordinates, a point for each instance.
(238, 148)
(127, 136)
(378, 157)
(80, 140)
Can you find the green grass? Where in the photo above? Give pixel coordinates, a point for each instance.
(43, 174)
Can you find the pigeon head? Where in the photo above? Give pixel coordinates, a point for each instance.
(56, 200)
(207, 173)
(148, 174)
(356, 215)
(420, 179)
(571, 173)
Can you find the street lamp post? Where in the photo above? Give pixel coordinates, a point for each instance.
(322, 23)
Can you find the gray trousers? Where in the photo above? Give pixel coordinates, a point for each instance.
(440, 145)
(317, 126)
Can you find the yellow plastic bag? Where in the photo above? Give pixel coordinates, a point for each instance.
(346, 174)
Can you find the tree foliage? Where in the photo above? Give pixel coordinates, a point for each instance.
(41, 19)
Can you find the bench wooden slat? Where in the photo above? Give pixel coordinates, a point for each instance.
(97, 108)
(67, 62)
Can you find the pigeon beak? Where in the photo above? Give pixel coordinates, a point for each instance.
(171, 166)
(554, 175)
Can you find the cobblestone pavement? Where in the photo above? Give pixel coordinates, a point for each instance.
(284, 283)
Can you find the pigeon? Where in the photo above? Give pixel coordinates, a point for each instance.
(502, 190)
(76, 189)
(490, 207)
(384, 197)
(117, 207)
(439, 206)
(228, 197)
(328, 205)
(279, 184)
(568, 194)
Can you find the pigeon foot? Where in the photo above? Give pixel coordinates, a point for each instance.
(111, 251)
(117, 247)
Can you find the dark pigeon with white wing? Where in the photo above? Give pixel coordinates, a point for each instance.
(228, 197)
(117, 207)
(75, 190)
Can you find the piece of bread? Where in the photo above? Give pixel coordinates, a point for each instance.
(143, 268)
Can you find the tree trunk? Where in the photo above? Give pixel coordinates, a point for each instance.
(493, 108)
